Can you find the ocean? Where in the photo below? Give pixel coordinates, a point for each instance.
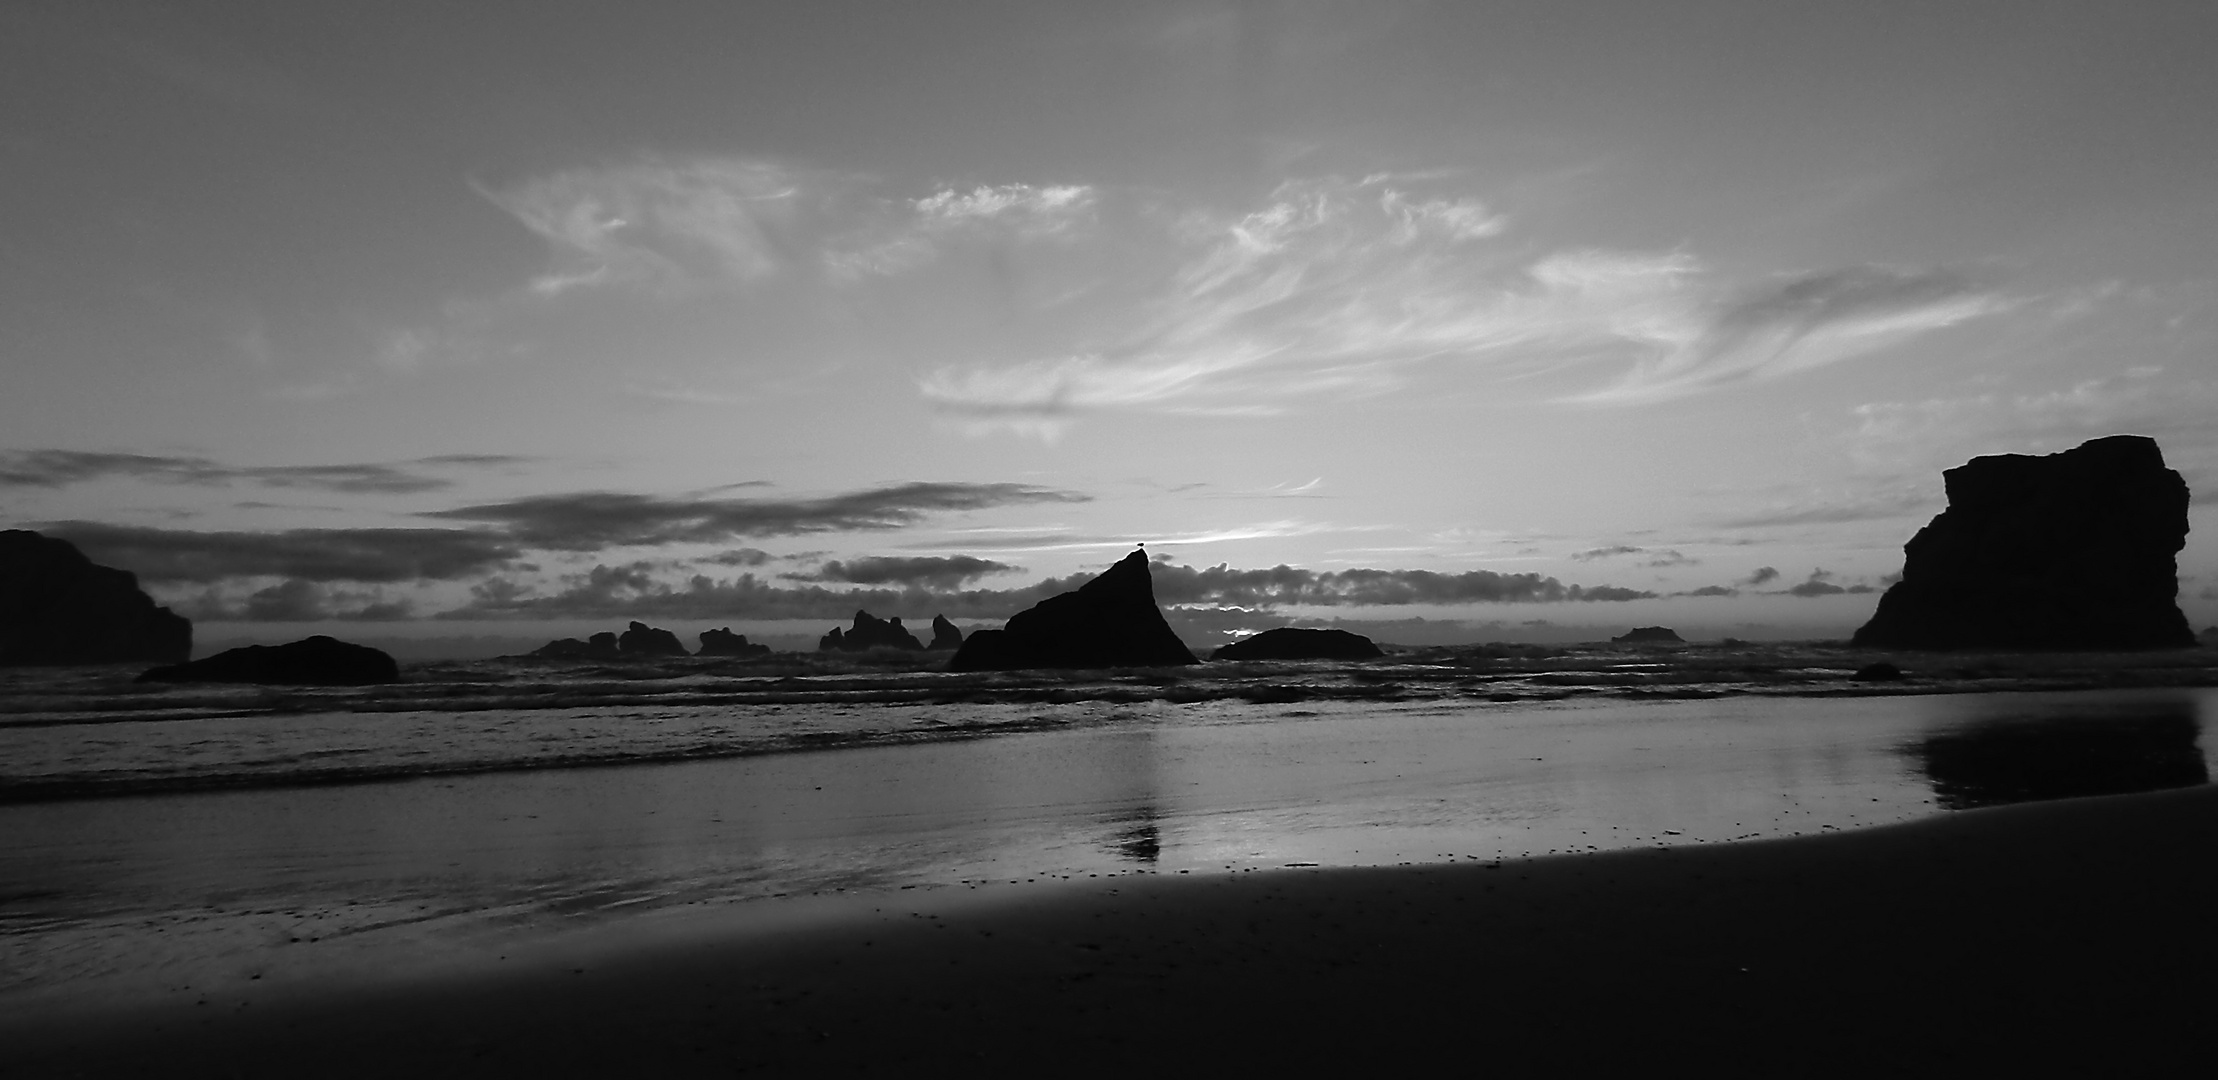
(159, 840)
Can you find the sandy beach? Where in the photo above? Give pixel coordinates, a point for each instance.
(2069, 931)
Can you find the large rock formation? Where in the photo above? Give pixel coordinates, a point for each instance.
(2068, 551)
(1289, 643)
(640, 639)
(58, 607)
(315, 661)
(870, 632)
(725, 643)
(1111, 621)
(944, 635)
(1649, 635)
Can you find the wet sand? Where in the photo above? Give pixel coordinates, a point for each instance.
(2068, 933)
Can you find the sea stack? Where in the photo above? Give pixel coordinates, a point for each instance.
(1111, 621)
(1290, 643)
(944, 635)
(1649, 635)
(640, 639)
(725, 643)
(314, 661)
(2075, 550)
(59, 607)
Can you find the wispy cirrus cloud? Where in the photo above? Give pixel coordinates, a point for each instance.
(592, 520)
(60, 468)
(692, 223)
(1801, 321)
(1337, 288)
(671, 223)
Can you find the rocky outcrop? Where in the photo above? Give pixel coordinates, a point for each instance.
(870, 632)
(315, 661)
(944, 635)
(2075, 550)
(642, 640)
(59, 607)
(1649, 635)
(725, 643)
(1879, 672)
(602, 646)
(1111, 621)
(1289, 643)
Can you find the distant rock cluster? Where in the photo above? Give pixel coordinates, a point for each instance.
(870, 632)
(1291, 643)
(640, 641)
(2076, 550)
(1111, 621)
(59, 607)
(1649, 635)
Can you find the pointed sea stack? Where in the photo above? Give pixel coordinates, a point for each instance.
(2075, 550)
(1111, 621)
(944, 635)
(59, 607)
(1290, 643)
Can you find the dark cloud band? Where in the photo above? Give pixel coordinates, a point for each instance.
(61, 468)
(168, 556)
(590, 521)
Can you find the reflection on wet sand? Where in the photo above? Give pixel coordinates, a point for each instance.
(1140, 840)
(2149, 747)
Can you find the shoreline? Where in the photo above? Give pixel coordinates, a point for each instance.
(2038, 931)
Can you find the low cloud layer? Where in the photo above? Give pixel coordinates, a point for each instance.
(61, 468)
(634, 591)
(926, 571)
(296, 601)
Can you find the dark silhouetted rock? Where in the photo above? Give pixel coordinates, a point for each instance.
(1111, 621)
(640, 639)
(1289, 643)
(1649, 635)
(2209, 636)
(944, 635)
(2075, 550)
(59, 607)
(315, 661)
(870, 632)
(725, 643)
(1879, 672)
(602, 647)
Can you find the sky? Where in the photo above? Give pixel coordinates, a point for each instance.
(1504, 321)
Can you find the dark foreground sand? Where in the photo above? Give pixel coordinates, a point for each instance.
(2048, 935)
